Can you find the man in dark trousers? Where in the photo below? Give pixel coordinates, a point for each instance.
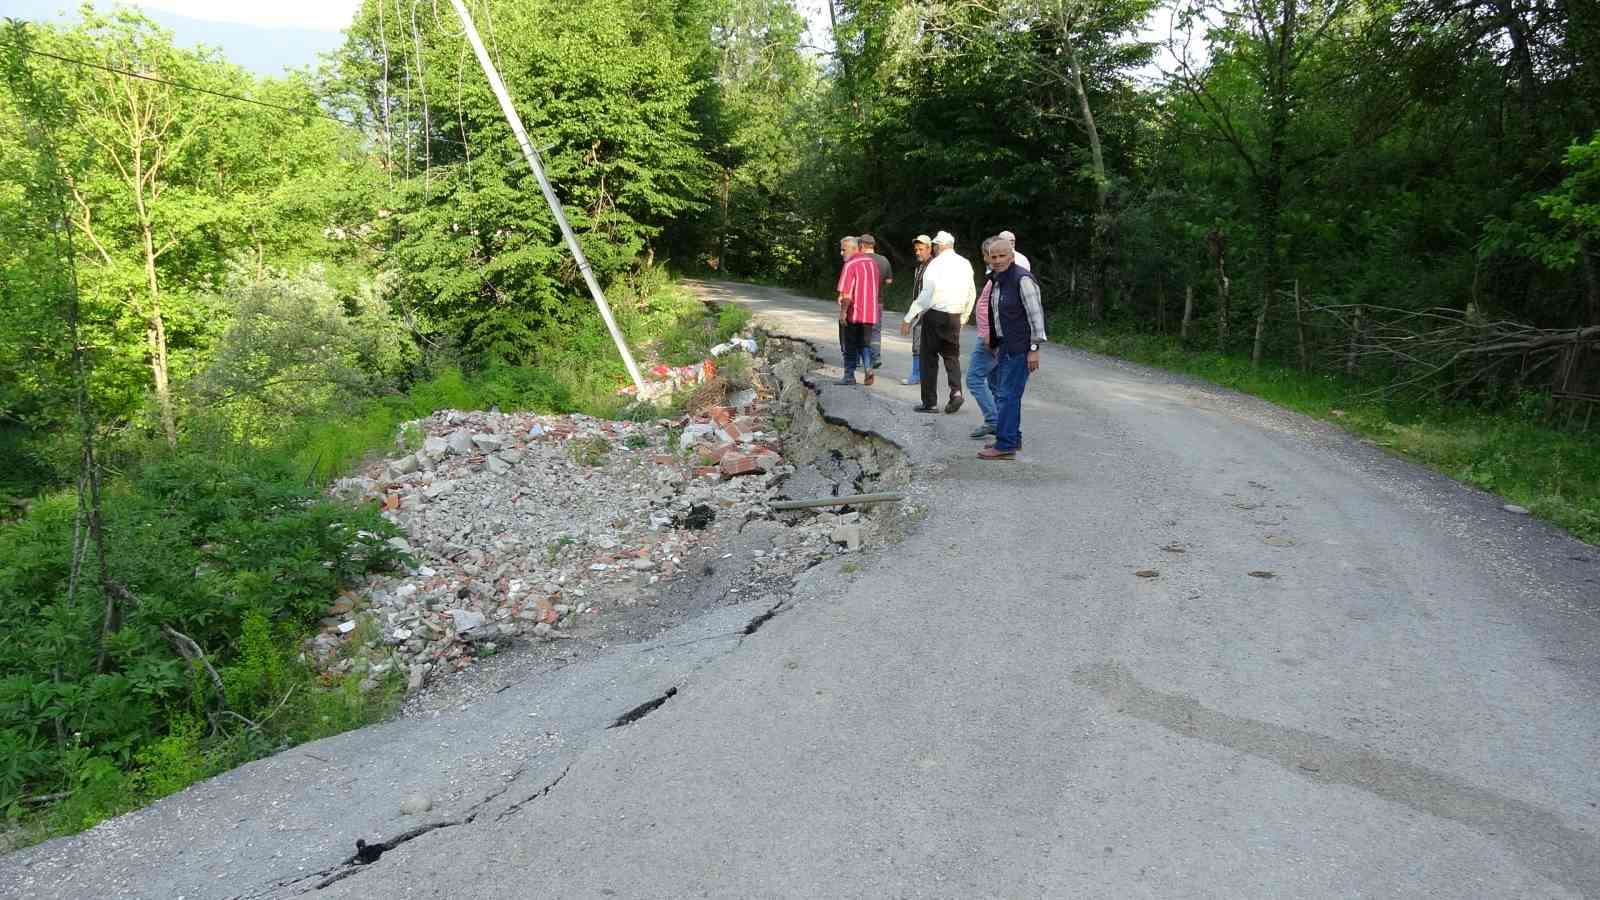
(941, 308)
(923, 248)
(869, 246)
(858, 307)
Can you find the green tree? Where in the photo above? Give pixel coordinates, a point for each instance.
(606, 96)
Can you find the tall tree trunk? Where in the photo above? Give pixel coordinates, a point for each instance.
(1099, 249)
(1591, 281)
(1300, 330)
(722, 227)
(1352, 357)
(1261, 330)
(1161, 303)
(1188, 312)
(1270, 178)
(1217, 246)
(156, 337)
(844, 60)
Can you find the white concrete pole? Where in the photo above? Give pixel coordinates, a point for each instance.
(499, 89)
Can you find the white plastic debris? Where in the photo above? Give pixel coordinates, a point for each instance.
(748, 345)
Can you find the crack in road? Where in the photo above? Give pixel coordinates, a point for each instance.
(516, 807)
(763, 618)
(643, 709)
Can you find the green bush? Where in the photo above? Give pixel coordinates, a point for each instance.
(234, 551)
(229, 541)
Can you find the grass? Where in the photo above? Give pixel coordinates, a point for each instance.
(589, 451)
(580, 372)
(578, 375)
(1512, 452)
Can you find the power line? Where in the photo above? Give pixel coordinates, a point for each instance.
(198, 89)
(177, 84)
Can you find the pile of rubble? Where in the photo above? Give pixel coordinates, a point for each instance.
(522, 526)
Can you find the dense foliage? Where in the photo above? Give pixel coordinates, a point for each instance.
(1400, 155)
(218, 290)
(268, 276)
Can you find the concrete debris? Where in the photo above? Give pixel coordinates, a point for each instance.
(465, 620)
(460, 441)
(512, 535)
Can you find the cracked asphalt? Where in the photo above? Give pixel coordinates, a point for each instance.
(1401, 701)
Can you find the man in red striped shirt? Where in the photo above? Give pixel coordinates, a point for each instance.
(859, 308)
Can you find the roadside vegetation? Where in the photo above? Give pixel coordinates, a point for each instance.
(230, 553)
(220, 291)
(1513, 450)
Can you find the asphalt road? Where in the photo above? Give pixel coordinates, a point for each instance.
(999, 706)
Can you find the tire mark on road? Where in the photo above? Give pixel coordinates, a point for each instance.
(1566, 855)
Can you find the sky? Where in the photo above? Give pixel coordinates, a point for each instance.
(269, 36)
(265, 36)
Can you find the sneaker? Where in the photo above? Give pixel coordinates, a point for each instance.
(991, 444)
(981, 432)
(871, 377)
(847, 379)
(992, 453)
(955, 403)
(910, 381)
(925, 409)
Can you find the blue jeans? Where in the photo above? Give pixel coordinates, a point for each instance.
(980, 381)
(1011, 378)
(877, 346)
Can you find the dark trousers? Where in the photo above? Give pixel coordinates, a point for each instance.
(941, 339)
(856, 340)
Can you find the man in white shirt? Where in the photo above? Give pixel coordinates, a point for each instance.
(1019, 257)
(943, 306)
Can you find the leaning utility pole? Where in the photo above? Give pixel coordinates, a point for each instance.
(499, 89)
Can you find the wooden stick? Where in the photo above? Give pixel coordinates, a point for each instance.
(853, 500)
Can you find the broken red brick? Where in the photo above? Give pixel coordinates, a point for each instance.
(721, 415)
(736, 464)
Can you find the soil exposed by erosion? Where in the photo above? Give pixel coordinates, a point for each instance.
(555, 537)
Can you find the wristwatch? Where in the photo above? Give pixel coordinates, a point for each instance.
(1033, 348)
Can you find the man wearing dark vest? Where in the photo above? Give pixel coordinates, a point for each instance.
(1016, 329)
(923, 248)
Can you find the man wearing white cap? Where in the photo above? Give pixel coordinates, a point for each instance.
(1019, 258)
(941, 308)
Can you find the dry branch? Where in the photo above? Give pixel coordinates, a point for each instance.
(191, 651)
(1449, 349)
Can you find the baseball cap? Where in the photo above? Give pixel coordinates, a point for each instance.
(944, 239)
(922, 239)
